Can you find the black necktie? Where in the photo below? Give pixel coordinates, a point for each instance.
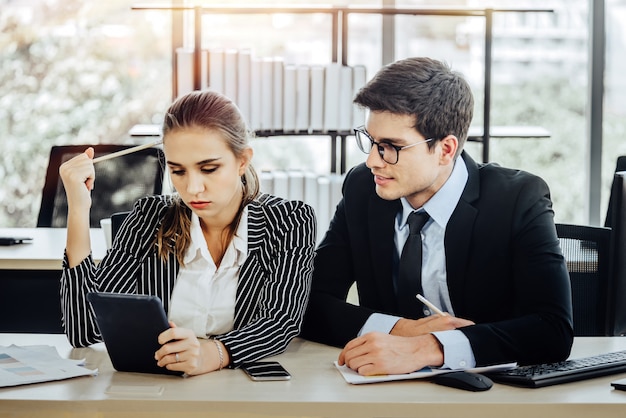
(410, 268)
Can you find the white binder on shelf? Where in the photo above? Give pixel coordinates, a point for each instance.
(244, 63)
(281, 184)
(216, 70)
(267, 94)
(303, 83)
(316, 122)
(358, 81)
(277, 95)
(184, 71)
(266, 182)
(254, 121)
(323, 202)
(230, 74)
(331, 96)
(289, 98)
(296, 185)
(344, 122)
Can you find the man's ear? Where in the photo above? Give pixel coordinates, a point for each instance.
(449, 146)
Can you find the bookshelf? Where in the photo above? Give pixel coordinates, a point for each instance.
(340, 39)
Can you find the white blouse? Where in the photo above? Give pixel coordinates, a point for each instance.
(203, 298)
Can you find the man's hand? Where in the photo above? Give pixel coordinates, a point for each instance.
(423, 326)
(379, 353)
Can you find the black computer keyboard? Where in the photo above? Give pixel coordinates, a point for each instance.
(564, 371)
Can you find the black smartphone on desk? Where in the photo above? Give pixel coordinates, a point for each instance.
(14, 240)
(265, 370)
(619, 384)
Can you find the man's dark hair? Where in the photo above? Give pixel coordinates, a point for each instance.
(440, 99)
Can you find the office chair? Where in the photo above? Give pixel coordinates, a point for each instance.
(620, 166)
(119, 182)
(587, 253)
(117, 219)
(617, 288)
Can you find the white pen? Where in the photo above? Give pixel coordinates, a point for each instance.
(126, 151)
(430, 305)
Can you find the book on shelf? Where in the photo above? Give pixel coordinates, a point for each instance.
(281, 184)
(244, 90)
(344, 120)
(216, 69)
(289, 98)
(267, 94)
(303, 82)
(358, 81)
(230, 74)
(321, 192)
(316, 103)
(254, 117)
(184, 71)
(331, 96)
(277, 96)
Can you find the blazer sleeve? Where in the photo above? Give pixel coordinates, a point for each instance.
(274, 285)
(519, 292)
(343, 255)
(117, 273)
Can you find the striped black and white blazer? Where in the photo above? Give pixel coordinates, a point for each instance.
(272, 290)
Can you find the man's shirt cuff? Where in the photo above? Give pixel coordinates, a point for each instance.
(457, 351)
(380, 323)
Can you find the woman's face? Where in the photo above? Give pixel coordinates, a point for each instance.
(205, 172)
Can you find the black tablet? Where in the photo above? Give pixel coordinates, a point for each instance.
(130, 326)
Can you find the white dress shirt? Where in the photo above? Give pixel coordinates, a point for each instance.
(457, 350)
(203, 298)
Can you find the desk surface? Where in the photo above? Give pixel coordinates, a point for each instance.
(316, 389)
(45, 252)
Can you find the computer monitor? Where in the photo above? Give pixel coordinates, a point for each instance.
(617, 286)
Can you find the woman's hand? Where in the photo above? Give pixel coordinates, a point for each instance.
(182, 351)
(78, 176)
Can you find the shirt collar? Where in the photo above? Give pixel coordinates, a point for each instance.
(240, 240)
(443, 203)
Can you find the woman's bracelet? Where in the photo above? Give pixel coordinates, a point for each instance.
(220, 353)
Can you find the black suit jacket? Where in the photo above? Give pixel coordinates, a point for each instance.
(505, 269)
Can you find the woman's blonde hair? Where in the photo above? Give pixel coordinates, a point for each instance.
(212, 111)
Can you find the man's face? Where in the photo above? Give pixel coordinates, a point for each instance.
(419, 172)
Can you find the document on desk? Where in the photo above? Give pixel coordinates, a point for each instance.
(354, 378)
(35, 364)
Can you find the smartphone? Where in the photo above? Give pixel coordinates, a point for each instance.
(14, 240)
(265, 370)
(619, 384)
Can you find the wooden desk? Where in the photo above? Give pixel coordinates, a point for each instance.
(29, 278)
(316, 389)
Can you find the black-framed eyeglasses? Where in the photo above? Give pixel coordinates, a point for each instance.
(388, 152)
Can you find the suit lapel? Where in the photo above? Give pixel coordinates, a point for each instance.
(458, 233)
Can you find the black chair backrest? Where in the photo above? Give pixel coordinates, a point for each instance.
(620, 166)
(587, 253)
(617, 290)
(119, 182)
(117, 219)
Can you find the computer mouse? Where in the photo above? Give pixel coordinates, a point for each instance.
(464, 380)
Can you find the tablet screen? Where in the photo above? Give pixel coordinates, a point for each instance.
(130, 326)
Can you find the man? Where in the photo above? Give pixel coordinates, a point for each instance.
(490, 258)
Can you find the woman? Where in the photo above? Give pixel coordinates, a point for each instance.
(233, 267)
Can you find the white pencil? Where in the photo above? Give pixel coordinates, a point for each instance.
(126, 151)
(430, 305)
